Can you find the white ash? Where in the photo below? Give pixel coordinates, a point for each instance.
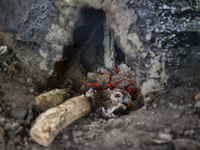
(119, 97)
(90, 94)
(124, 69)
(109, 111)
(3, 50)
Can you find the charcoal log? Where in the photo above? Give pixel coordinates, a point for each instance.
(51, 122)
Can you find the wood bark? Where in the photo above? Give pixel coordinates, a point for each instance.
(52, 121)
(52, 98)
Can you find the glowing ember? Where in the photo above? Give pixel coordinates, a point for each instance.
(109, 83)
(102, 73)
(95, 84)
(117, 70)
(89, 84)
(126, 80)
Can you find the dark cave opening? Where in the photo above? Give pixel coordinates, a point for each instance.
(92, 57)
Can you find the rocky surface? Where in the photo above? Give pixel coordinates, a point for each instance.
(152, 34)
(168, 120)
(160, 40)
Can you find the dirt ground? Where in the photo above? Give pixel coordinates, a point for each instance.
(169, 119)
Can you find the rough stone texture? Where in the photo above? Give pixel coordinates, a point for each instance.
(27, 21)
(153, 35)
(47, 35)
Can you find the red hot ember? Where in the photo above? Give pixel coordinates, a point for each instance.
(122, 96)
(93, 84)
(117, 71)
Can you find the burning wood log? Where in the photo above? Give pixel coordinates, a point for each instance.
(52, 121)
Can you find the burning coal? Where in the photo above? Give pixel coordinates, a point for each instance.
(113, 92)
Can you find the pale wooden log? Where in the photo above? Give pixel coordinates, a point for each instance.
(52, 98)
(51, 122)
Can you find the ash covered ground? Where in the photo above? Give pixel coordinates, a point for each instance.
(168, 120)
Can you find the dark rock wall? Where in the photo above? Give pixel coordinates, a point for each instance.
(170, 33)
(92, 55)
(28, 21)
(27, 18)
(160, 38)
